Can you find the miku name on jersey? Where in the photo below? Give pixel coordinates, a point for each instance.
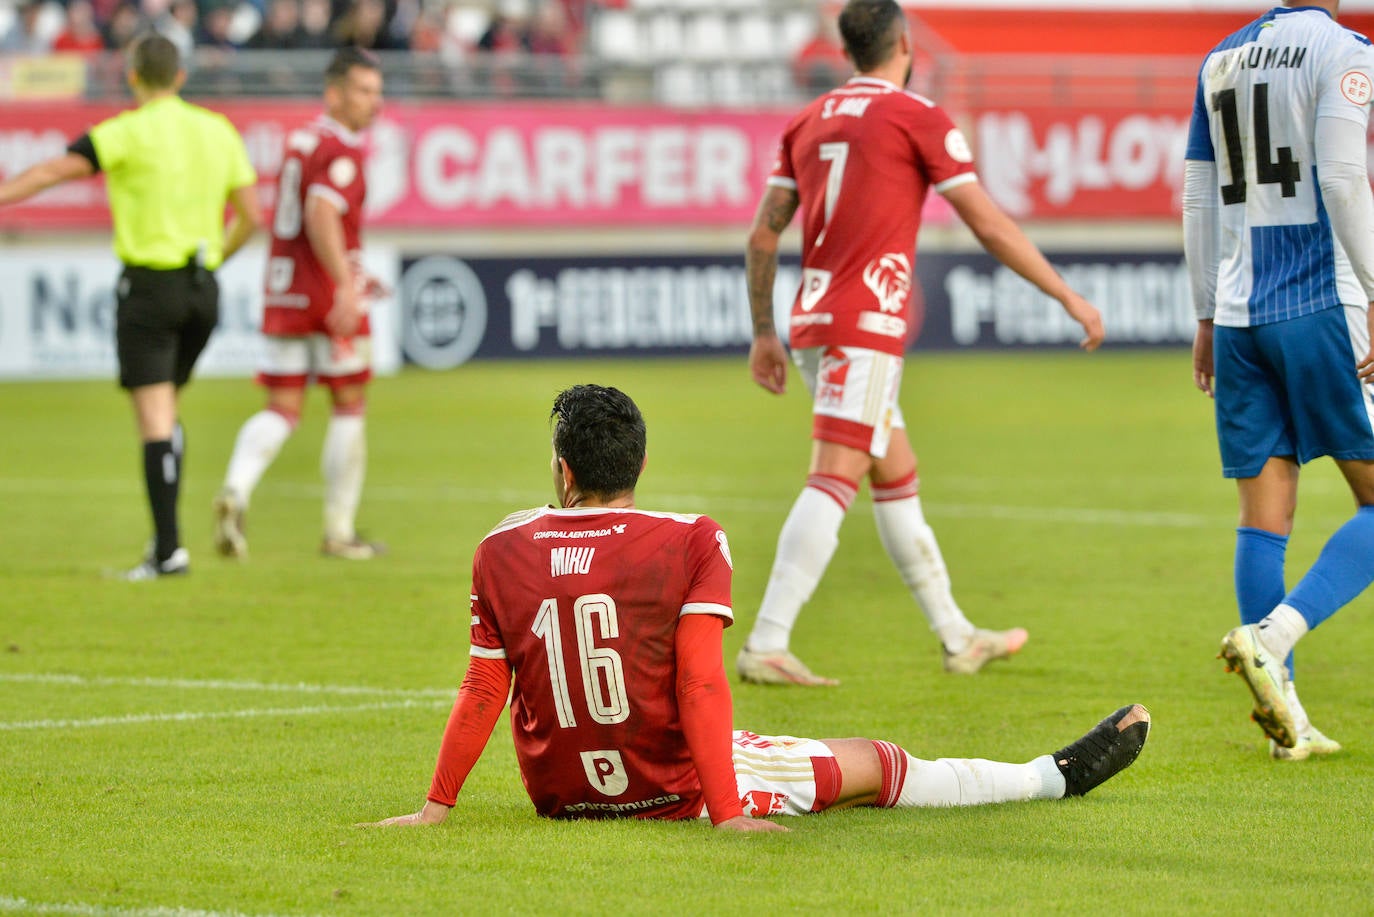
(565, 561)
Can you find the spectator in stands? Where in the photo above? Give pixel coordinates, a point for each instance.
(821, 64)
(509, 29)
(79, 34)
(548, 31)
(315, 21)
(215, 29)
(124, 25)
(366, 25)
(281, 27)
(25, 36)
(179, 23)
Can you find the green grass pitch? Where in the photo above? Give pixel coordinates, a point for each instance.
(207, 744)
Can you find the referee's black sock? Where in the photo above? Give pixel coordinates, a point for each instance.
(161, 472)
(179, 448)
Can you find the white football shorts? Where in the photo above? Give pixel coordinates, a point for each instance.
(783, 775)
(854, 395)
(292, 361)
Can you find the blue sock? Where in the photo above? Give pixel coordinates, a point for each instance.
(1259, 575)
(1343, 570)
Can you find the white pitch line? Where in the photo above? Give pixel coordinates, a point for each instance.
(189, 716)
(24, 906)
(703, 503)
(101, 681)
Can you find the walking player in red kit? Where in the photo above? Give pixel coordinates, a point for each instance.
(315, 319)
(860, 161)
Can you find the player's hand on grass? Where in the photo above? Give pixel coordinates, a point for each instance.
(768, 363)
(1083, 312)
(745, 823)
(343, 320)
(1203, 372)
(432, 814)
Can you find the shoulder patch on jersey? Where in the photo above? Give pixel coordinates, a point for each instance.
(1357, 87)
(956, 145)
(302, 141)
(725, 549)
(342, 171)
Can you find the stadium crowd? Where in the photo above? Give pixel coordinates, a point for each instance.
(201, 27)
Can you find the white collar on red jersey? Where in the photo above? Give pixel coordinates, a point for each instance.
(352, 138)
(873, 81)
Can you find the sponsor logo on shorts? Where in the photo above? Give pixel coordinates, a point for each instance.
(831, 377)
(760, 802)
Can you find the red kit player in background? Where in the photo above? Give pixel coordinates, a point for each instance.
(859, 161)
(609, 618)
(315, 319)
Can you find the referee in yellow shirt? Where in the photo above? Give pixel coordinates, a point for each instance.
(170, 168)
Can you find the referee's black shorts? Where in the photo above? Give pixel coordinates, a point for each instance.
(163, 320)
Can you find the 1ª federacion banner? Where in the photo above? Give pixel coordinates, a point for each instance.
(454, 309)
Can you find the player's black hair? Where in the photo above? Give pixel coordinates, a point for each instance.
(154, 59)
(600, 433)
(869, 29)
(345, 59)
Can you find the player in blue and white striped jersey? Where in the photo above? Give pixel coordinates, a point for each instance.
(1279, 232)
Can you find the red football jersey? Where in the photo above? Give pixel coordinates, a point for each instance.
(861, 159)
(584, 604)
(324, 158)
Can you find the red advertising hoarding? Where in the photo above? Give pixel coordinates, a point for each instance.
(457, 166)
(466, 165)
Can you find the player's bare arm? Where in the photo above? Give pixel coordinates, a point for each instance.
(1203, 372)
(1005, 241)
(246, 221)
(45, 175)
(767, 358)
(324, 228)
(1366, 366)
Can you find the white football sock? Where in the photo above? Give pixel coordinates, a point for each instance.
(805, 545)
(1281, 629)
(963, 781)
(258, 442)
(344, 465)
(911, 544)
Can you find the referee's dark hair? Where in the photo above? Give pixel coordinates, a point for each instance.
(345, 59)
(869, 30)
(154, 59)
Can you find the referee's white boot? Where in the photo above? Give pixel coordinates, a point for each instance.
(179, 564)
